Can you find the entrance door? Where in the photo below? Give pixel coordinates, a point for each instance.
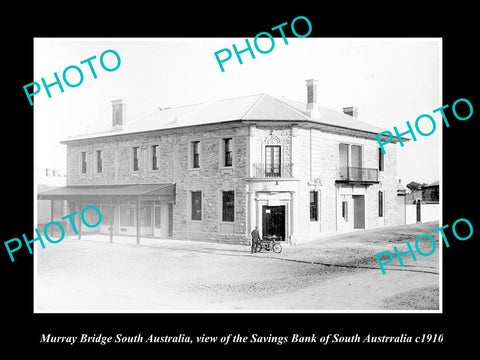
(419, 210)
(273, 221)
(358, 211)
(170, 220)
(157, 223)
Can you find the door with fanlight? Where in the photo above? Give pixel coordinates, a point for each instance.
(157, 221)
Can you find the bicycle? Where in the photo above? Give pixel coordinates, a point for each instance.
(269, 243)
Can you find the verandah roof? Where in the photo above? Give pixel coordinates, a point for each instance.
(164, 191)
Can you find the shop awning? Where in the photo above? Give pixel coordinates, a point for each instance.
(164, 192)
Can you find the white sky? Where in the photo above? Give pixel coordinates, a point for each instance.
(391, 81)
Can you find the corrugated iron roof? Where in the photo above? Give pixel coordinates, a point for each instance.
(259, 107)
(435, 183)
(335, 118)
(109, 190)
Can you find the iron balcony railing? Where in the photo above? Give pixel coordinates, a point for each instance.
(282, 170)
(357, 174)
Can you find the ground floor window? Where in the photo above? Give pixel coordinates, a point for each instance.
(154, 218)
(228, 206)
(106, 213)
(91, 216)
(313, 206)
(345, 210)
(380, 204)
(145, 215)
(127, 216)
(158, 217)
(196, 205)
(58, 209)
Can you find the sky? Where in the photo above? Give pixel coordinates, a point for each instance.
(389, 80)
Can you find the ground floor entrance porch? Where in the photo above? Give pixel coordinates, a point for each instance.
(273, 214)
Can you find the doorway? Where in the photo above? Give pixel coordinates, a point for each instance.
(157, 223)
(273, 221)
(170, 220)
(419, 210)
(359, 211)
(163, 220)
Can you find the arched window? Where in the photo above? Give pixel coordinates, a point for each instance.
(273, 156)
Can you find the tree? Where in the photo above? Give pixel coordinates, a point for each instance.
(413, 186)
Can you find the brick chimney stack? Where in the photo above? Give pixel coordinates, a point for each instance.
(119, 111)
(351, 110)
(312, 107)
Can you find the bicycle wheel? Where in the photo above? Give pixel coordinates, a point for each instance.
(277, 248)
(258, 248)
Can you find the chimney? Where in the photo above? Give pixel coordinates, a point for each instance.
(312, 108)
(119, 111)
(351, 110)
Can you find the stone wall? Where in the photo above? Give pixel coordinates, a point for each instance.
(174, 167)
(310, 154)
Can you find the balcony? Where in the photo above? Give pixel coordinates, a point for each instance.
(357, 175)
(262, 170)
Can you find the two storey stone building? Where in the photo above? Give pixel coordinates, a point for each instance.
(215, 170)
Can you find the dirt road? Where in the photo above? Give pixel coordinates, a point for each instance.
(338, 273)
